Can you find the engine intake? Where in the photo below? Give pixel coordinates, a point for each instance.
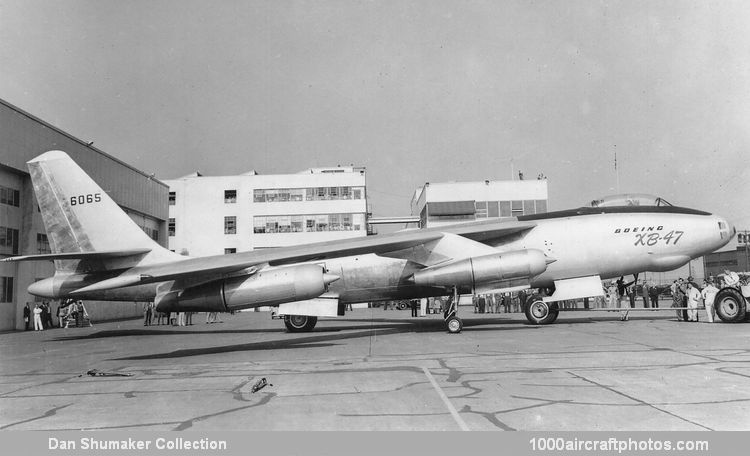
(268, 287)
(485, 270)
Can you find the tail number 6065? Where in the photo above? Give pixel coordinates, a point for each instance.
(85, 199)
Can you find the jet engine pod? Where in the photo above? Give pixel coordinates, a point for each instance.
(268, 287)
(484, 269)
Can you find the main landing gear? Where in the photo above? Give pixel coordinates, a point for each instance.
(300, 323)
(539, 312)
(452, 322)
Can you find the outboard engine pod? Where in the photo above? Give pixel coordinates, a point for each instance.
(485, 269)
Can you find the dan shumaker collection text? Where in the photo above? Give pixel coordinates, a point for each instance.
(159, 443)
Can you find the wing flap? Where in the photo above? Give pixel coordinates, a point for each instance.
(80, 255)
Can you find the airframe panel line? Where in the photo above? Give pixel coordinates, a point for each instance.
(446, 401)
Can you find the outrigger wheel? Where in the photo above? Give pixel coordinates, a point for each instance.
(300, 323)
(452, 322)
(539, 312)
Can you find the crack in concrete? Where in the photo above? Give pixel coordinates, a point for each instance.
(489, 416)
(48, 413)
(265, 399)
(633, 398)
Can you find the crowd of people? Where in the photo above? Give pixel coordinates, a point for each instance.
(68, 312)
(153, 318)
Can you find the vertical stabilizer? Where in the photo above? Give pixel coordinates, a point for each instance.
(80, 217)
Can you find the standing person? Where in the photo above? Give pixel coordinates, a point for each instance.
(731, 278)
(622, 289)
(653, 293)
(45, 313)
(38, 318)
(612, 295)
(189, 318)
(631, 292)
(522, 300)
(708, 294)
(413, 305)
(26, 316)
(693, 296)
(679, 298)
(147, 313)
(58, 314)
(181, 319)
(644, 292)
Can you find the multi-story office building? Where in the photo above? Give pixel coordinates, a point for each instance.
(228, 214)
(23, 137)
(450, 202)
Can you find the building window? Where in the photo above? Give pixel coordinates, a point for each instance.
(42, 244)
(6, 289)
(152, 233)
(9, 196)
(504, 209)
(274, 195)
(541, 206)
(172, 198)
(481, 209)
(8, 240)
(228, 251)
(528, 207)
(516, 208)
(230, 225)
(230, 196)
(172, 227)
(492, 209)
(308, 223)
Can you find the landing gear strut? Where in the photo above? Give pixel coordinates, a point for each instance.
(453, 323)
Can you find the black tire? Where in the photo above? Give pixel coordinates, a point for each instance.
(539, 312)
(454, 325)
(300, 323)
(401, 305)
(730, 305)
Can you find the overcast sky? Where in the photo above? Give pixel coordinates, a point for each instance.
(415, 91)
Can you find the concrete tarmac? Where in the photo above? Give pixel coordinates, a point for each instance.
(382, 370)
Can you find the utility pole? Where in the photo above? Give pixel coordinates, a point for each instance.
(743, 239)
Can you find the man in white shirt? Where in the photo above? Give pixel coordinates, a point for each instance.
(731, 279)
(708, 294)
(693, 296)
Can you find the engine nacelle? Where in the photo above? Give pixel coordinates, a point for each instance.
(268, 287)
(484, 270)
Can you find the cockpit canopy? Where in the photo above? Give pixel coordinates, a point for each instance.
(630, 199)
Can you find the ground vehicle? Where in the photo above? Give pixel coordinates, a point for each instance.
(731, 304)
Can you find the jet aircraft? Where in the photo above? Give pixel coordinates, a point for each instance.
(101, 254)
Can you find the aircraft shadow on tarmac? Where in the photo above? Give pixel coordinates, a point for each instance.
(325, 336)
(369, 324)
(322, 336)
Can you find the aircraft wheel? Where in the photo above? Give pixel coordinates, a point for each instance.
(730, 305)
(540, 312)
(300, 323)
(455, 325)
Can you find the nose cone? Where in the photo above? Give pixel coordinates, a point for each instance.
(727, 231)
(44, 288)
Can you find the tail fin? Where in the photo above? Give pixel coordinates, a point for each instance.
(81, 218)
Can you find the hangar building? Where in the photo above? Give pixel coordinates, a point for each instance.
(211, 215)
(450, 202)
(23, 137)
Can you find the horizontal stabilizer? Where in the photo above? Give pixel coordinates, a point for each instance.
(79, 255)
